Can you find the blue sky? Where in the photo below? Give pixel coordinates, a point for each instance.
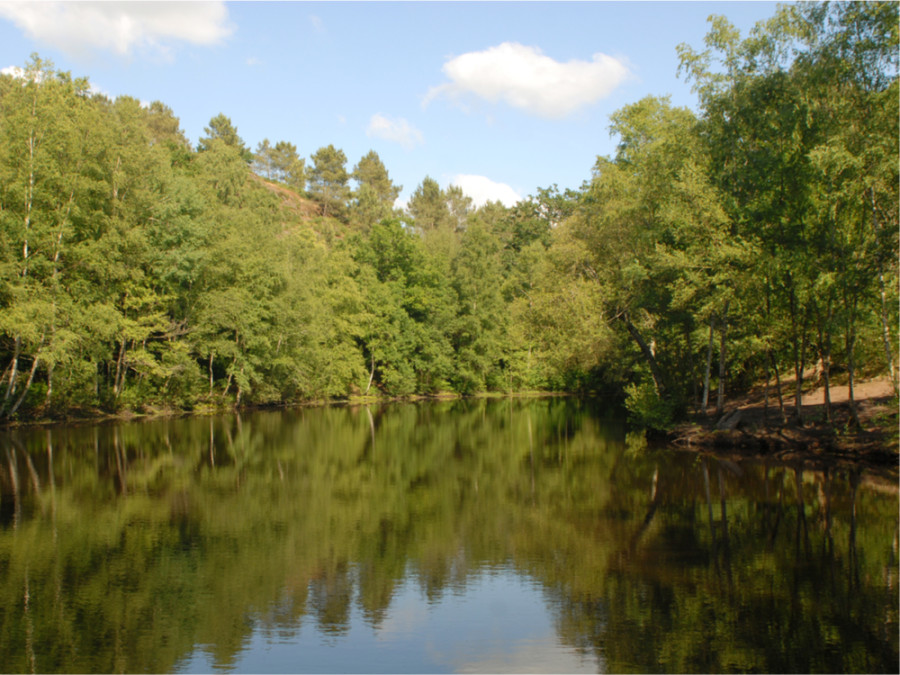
(500, 98)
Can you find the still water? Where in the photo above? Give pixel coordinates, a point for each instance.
(466, 536)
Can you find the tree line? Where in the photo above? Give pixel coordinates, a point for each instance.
(741, 243)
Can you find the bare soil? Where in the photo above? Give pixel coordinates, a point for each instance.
(293, 202)
(749, 428)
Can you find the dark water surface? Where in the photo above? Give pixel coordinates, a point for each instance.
(472, 536)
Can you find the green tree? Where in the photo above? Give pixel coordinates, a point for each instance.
(371, 171)
(646, 224)
(852, 74)
(791, 123)
(405, 340)
(50, 201)
(264, 160)
(480, 328)
(221, 128)
(165, 128)
(328, 180)
(428, 206)
(374, 198)
(280, 163)
(460, 206)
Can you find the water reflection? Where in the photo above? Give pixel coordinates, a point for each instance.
(497, 623)
(460, 536)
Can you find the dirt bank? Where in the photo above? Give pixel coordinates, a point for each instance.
(749, 428)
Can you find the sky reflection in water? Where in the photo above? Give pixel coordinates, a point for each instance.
(497, 622)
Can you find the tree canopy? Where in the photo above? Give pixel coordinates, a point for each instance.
(749, 241)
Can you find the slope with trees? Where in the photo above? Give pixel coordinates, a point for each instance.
(742, 243)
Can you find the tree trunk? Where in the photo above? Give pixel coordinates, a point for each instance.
(720, 396)
(230, 377)
(371, 375)
(648, 355)
(34, 365)
(851, 366)
(825, 356)
(709, 355)
(13, 371)
(119, 379)
(885, 322)
(49, 393)
(798, 357)
(778, 389)
(886, 336)
(770, 355)
(687, 358)
(798, 391)
(29, 193)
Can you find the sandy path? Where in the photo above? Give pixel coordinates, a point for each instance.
(877, 388)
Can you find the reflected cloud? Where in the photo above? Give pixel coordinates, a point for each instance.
(407, 614)
(530, 656)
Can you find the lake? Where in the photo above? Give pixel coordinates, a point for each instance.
(467, 536)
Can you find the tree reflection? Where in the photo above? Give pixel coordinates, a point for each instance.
(127, 547)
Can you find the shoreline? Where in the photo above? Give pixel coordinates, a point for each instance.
(746, 431)
(153, 413)
(753, 431)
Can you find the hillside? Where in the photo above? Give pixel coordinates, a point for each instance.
(290, 200)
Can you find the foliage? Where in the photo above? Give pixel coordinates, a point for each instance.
(328, 180)
(646, 408)
(745, 242)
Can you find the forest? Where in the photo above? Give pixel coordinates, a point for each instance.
(745, 242)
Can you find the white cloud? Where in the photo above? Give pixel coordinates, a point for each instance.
(94, 90)
(22, 74)
(317, 23)
(394, 130)
(14, 71)
(120, 27)
(525, 78)
(483, 190)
